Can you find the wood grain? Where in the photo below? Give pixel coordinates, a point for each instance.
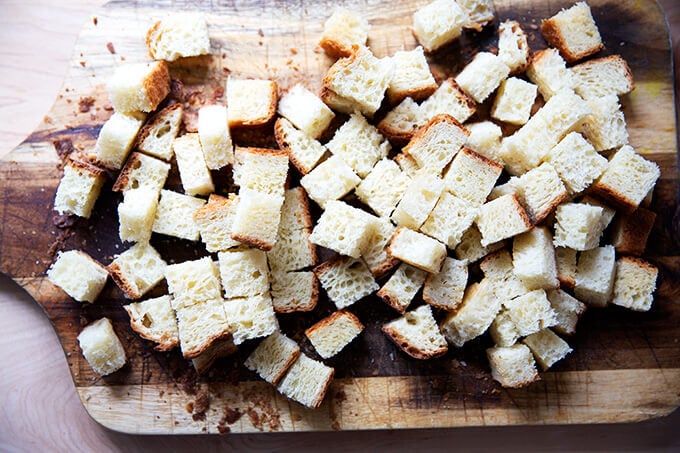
(32, 166)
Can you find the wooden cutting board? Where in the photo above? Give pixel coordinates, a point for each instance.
(625, 365)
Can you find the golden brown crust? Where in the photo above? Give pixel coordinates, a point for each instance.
(416, 93)
(461, 95)
(611, 196)
(309, 306)
(327, 265)
(307, 221)
(334, 48)
(165, 343)
(632, 231)
(554, 37)
(252, 241)
(198, 350)
(214, 207)
(261, 121)
(521, 211)
(218, 349)
(151, 37)
(123, 179)
(323, 391)
(86, 167)
(157, 84)
(409, 348)
(383, 268)
(618, 60)
(541, 216)
(396, 234)
(391, 300)
(329, 320)
(154, 122)
(566, 281)
(422, 132)
(340, 65)
(119, 277)
(337, 102)
(644, 264)
(396, 137)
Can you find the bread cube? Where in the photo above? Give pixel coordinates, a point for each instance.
(402, 286)
(595, 274)
(251, 317)
(342, 30)
(78, 274)
(548, 70)
(273, 357)
(294, 291)
(343, 228)
(154, 320)
(531, 312)
(330, 335)
(514, 100)
(605, 128)
(512, 366)
(400, 123)
(565, 258)
(449, 219)
(250, 102)
(600, 77)
(578, 226)
(116, 138)
(438, 23)
(78, 188)
(195, 281)
(305, 110)
(485, 139)
(481, 76)
(137, 270)
(445, 289)
(142, 171)
(417, 334)
(157, 135)
(193, 170)
(292, 250)
(573, 31)
(533, 258)
(513, 46)
(359, 144)
(213, 131)
(139, 87)
(407, 164)
(634, 284)
(375, 253)
(174, 215)
(101, 347)
(500, 270)
(502, 218)
(303, 151)
(473, 316)
(547, 347)
(479, 12)
(383, 187)
(177, 36)
(412, 77)
(608, 213)
(257, 218)
(470, 247)
(136, 214)
(541, 190)
(346, 280)
(471, 176)
(330, 180)
(630, 232)
(295, 213)
(417, 250)
(262, 170)
(451, 99)
(214, 221)
(200, 326)
(576, 162)
(306, 382)
(418, 200)
(502, 330)
(434, 145)
(218, 349)
(568, 310)
(243, 272)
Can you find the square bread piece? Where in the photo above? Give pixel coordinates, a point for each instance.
(191, 282)
(193, 170)
(305, 110)
(407, 164)
(434, 145)
(595, 274)
(548, 70)
(174, 215)
(177, 36)
(383, 187)
(375, 253)
(214, 220)
(251, 317)
(449, 219)
(306, 381)
(154, 320)
(479, 12)
(257, 218)
(481, 76)
(344, 229)
(142, 171)
(359, 144)
(634, 284)
(541, 190)
(402, 286)
(514, 100)
(417, 250)
(547, 347)
(502, 330)
(78, 275)
(101, 347)
(600, 77)
(450, 99)
(418, 200)
(295, 214)
(200, 326)
(498, 267)
(250, 102)
(417, 334)
(292, 251)
(78, 188)
(244, 272)
(438, 23)
(294, 291)
(445, 289)
(502, 218)
(139, 87)
(157, 135)
(341, 31)
(261, 169)
(345, 280)
(474, 314)
(512, 366)
(513, 46)
(331, 180)
(412, 77)
(573, 31)
(578, 226)
(485, 139)
(136, 214)
(607, 212)
(219, 349)
(470, 247)
(630, 232)
(576, 162)
(531, 312)
(605, 128)
(565, 258)
(213, 130)
(137, 270)
(115, 139)
(303, 151)
(272, 357)
(568, 310)
(471, 176)
(330, 335)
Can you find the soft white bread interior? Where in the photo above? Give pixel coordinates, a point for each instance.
(417, 334)
(79, 275)
(101, 347)
(178, 35)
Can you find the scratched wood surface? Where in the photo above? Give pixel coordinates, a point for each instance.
(624, 366)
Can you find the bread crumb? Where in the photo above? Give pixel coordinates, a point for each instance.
(110, 48)
(95, 21)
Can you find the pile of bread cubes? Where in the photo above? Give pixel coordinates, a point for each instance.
(424, 192)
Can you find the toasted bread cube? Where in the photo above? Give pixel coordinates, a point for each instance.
(445, 289)
(573, 31)
(418, 200)
(383, 187)
(218, 349)
(438, 23)
(136, 214)
(330, 180)
(578, 226)
(407, 164)
(78, 274)
(303, 151)
(474, 314)
(343, 228)
(548, 70)
(142, 171)
(295, 213)
(630, 232)
(595, 274)
(605, 128)
(273, 356)
(250, 102)
(375, 253)
(449, 219)
(512, 366)
(330, 335)
(213, 130)
(479, 12)
(417, 250)
(306, 382)
(417, 334)
(191, 282)
(200, 325)
(101, 347)
(346, 280)
(502, 330)
(533, 257)
(531, 312)
(214, 220)
(565, 258)
(154, 320)
(78, 188)
(359, 144)
(513, 46)
(451, 99)
(137, 270)
(262, 170)
(412, 77)
(635, 283)
(174, 215)
(156, 136)
(470, 247)
(547, 347)
(471, 176)
(251, 317)
(576, 162)
(243, 272)
(177, 36)
(116, 138)
(257, 219)
(402, 286)
(541, 190)
(568, 310)
(502, 218)
(499, 269)
(139, 87)
(481, 76)
(485, 139)
(305, 110)
(193, 170)
(513, 101)
(341, 31)
(600, 77)
(435, 144)
(294, 291)
(292, 250)
(400, 123)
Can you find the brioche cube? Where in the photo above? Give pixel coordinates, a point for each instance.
(273, 356)
(343, 228)
(605, 128)
(137, 270)
(473, 316)
(573, 31)
(142, 171)
(330, 335)
(471, 176)
(449, 219)
(576, 162)
(412, 77)
(156, 136)
(418, 200)
(341, 31)
(481, 76)
(257, 218)
(565, 259)
(485, 139)
(470, 247)
(116, 138)
(630, 232)
(513, 46)
(177, 36)
(533, 257)
(541, 190)
(306, 382)
(479, 12)
(635, 283)
(498, 267)
(154, 320)
(346, 280)
(218, 349)
(250, 102)
(445, 289)
(101, 347)
(501, 218)
(214, 221)
(451, 99)
(78, 274)
(305, 110)
(303, 151)
(383, 187)
(262, 170)
(250, 317)
(578, 226)
(243, 272)
(194, 281)
(568, 310)
(294, 291)
(503, 331)
(402, 286)
(200, 326)
(434, 145)
(600, 77)
(512, 366)
(174, 215)
(547, 347)
(513, 101)
(548, 70)
(136, 214)
(595, 274)
(78, 188)
(417, 334)
(213, 131)
(139, 87)
(359, 144)
(193, 170)
(438, 23)
(330, 180)
(531, 312)
(417, 250)
(375, 253)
